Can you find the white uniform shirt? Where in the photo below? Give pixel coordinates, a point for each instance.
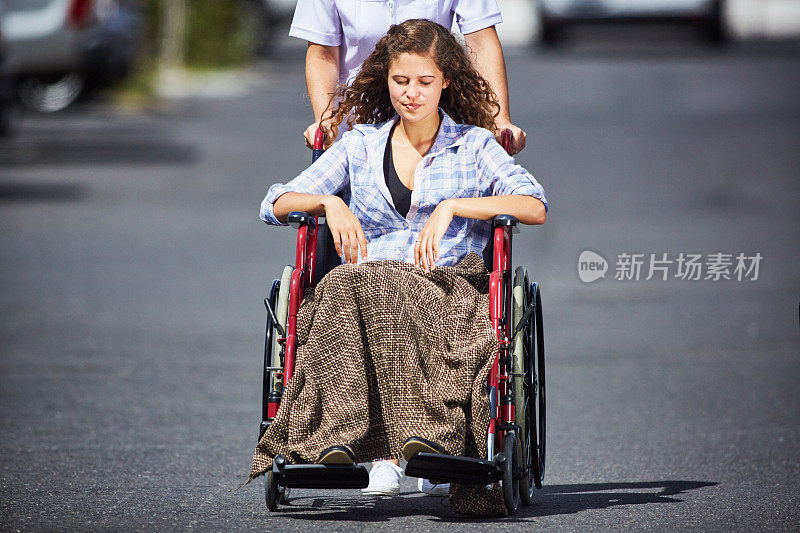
(357, 25)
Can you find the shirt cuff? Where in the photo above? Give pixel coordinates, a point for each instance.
(325, 39)
(482, 23)
(267, 213)
(529, 190)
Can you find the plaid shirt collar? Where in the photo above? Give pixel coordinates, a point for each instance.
(377, 135)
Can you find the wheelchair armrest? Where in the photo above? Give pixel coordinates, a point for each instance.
(509, 224)
(507, 221)
(299, 218)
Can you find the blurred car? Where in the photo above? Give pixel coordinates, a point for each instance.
(57, 48)
(555, 15)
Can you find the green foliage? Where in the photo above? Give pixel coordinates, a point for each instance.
(218, 33)
(217, 36)
(151, 14)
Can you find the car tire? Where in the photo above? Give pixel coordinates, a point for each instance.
(51, 94)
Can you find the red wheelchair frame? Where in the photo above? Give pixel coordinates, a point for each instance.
(514, 458)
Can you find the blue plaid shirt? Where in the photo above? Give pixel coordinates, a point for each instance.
(464, 162)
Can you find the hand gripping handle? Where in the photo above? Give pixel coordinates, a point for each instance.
(319, 145)
(506, 138)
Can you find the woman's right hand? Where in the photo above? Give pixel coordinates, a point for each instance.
(311, 131)
(346, 230)
(309, 134)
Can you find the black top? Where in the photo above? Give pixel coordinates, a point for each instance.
(401, 195)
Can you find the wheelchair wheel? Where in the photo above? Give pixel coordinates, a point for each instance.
(528, 383)
(537, 401)
(272, 494)
(279, 302)
(512, 473)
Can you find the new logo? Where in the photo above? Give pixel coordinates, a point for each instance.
(591, 266)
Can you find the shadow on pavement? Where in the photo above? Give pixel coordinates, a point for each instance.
(82, 151)
(564, 499)
(570, 499)
(551, 500)
(363, 508)
(42, 192)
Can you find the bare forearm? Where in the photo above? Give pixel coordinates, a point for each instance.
(487, 57)
(322, 76)
(526, 209)
(313, 204)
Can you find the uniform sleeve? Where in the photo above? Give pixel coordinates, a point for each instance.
(500, 175)
(328, 175)
(474, 15)
(317, 21)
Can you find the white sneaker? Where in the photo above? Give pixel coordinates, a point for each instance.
(384, 480)
(433, 489)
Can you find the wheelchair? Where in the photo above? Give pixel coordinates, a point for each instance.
(516, 383)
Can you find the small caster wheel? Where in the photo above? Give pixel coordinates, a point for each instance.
(272, 494)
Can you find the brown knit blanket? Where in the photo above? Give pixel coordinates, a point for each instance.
(387, 352)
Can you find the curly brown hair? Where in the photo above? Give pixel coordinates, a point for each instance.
(468, 99)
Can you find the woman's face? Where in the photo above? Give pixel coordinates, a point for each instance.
(415, 86)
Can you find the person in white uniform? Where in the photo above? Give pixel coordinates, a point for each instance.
(342, 33)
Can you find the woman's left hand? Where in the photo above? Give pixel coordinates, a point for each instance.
(518, 137)
(426, 249)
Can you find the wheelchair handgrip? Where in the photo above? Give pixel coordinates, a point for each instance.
(319, 144)
(506, 138)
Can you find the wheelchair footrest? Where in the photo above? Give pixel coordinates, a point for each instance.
(456, 469)
(319, 476)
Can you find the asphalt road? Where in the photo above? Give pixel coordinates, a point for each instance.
(133, 264)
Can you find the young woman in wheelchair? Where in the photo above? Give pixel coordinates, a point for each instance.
(394, 346)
